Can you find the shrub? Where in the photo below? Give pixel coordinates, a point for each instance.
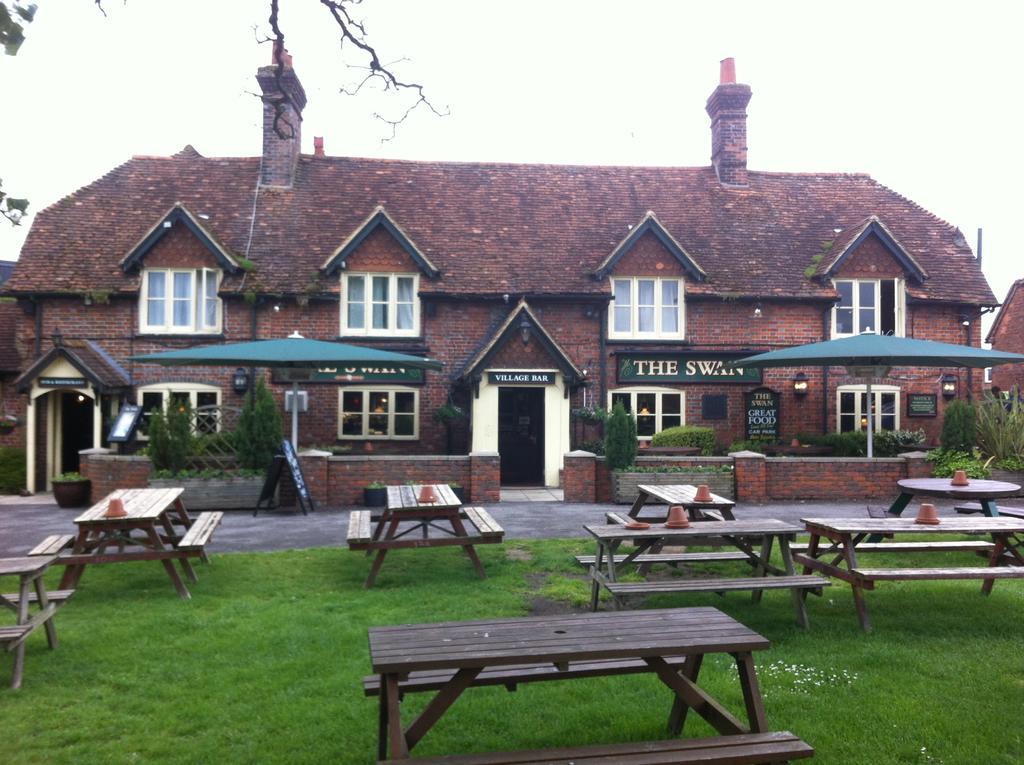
(945, 462)
(890, 443)
(170, 437)
(1000, 428)
(620, 439)
(958, 427)
(679, 468)
(851, 444)
(12, 469)
(259, 429)
(687, 435)
(594, 447)
(747, 446)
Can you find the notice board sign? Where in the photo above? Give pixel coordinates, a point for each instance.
(124, 426)
(286, 456)
(922, 405)
(762, 415)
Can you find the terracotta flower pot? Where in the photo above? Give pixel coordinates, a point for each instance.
(703, 493)
(960, 478)
(115, 508)
(427, 494)
(795, 442)
(927, 514)
(677, 518)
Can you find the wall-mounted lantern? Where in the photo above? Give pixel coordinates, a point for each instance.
(948, 386)
(240, 381)
(800, 383)
(524, 330)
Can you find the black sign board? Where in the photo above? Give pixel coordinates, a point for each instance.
(61, 382)
(714, 406)
(762, 414)
(521, 378)
(124, 426)
(287, 456)
(922, 405)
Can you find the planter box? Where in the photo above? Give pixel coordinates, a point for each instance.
(625, 491)
(215, 493)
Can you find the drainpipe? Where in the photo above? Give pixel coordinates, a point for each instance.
(826, 327)
(38, 345)
(603, 318)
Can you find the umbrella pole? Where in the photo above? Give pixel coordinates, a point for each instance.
(295, 414)
(871, 421)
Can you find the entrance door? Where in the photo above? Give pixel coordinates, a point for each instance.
(521, 435)
(76, 413)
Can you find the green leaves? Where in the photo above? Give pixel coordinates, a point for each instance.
(10, 207)
(12, 27)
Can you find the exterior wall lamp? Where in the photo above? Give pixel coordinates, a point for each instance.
(948, 386)
(800, 384)
(240, 381)
(524, 330)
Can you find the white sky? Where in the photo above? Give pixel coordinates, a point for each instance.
(924, 96)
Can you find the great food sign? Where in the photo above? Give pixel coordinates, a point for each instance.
(634, 367)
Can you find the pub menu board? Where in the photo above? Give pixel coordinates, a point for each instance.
(922, 405)
(762, 415)
(287, 456)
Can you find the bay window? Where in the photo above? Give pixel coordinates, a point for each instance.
(646, 308)
(180, 301)
(378, 413)
(653, 409)
(379, 304)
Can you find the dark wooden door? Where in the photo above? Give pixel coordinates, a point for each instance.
(76, 428)
(521, 435)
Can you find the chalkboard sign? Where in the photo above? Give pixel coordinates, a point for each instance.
(762, 415)
(286, 455)
(124, 426)
(922, 405)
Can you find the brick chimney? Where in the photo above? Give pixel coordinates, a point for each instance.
(727, 107)
(280, 155)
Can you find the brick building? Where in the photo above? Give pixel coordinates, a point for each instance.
(543, 289)
(1007, 334)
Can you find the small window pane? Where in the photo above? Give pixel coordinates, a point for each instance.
(356, 300)
(646, 403)
(404, 425)
(846, 403)
(380, 288)
(622, 292)
(866, 292)
(210, 307)
(378, 425)
(404, 289)
(845, 290)
(182, 300)
(624, 399)
(671, 403)
(405, 402)
(622, 317)
(380, 316)
(847, 423)
(155, 304)
(404, 316)
(352, 413)
(671, 422)
(645, 319)
(844, 321)
(645, 292)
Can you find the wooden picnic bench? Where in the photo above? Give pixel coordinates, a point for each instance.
(451, 523)
(835, 543)
(31, 592)
(967, 508)
(671, 643)
(715, 509)
(752, 539)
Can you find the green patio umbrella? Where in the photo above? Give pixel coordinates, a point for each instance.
(300, 355)
(868, 356)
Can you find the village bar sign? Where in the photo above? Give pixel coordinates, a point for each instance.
(680, 368)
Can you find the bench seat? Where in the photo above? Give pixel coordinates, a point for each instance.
(13, 634)
(53, 544)
(510, 676)
(980, 572)
(975, 507)
(360, 526)
(200, 531)
(868, 547)
(670, 558)
(799, 581)
(740, 749)
(57, 597)
(485, 524)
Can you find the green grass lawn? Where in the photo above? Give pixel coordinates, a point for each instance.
(264, 665)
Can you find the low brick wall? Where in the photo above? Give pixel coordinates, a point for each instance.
(109, 471)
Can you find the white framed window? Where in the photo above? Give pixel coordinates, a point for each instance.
(646, 307)
(176, 301)
(654, 408)
(852, 407)
(380, 304)
(197, 395)
(869, 305)
(378, 413)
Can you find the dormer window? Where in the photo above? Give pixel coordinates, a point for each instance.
(180, 301)
(380, 304)
(868, 305)
(645, 308)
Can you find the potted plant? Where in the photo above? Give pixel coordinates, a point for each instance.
(71, 489)
(375, 494)
(460, 491)
(8, 422)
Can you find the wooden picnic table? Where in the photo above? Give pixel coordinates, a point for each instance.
(977, 490)
(445, 517)
(31, 590)
(651, 639)
(835, 543)
(148, 531)
(752, 541)
(717, 508)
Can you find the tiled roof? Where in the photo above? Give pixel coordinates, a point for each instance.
(95, 364)
(1010, 305)
(9, 359)
(488, 228)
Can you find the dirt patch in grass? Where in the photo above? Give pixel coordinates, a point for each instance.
(540, 606)
(519, 554)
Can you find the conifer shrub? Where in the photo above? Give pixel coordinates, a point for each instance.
(258, 435)
(620, 439)
(958, 427)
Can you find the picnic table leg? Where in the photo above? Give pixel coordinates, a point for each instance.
(396, 737)
(381, 523)
(677, 717)
(997, 553)
(44, 601)
(798, 594)
(72, 574)
(186, 519)
(761, 567)
(595, 583)
(988, 507)
(460, 529)
(638, 503)
(381, 554)
(168, 564)
(896, 508)
(19, 652)
(858, 592)
(751, 693)
(186, 566)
